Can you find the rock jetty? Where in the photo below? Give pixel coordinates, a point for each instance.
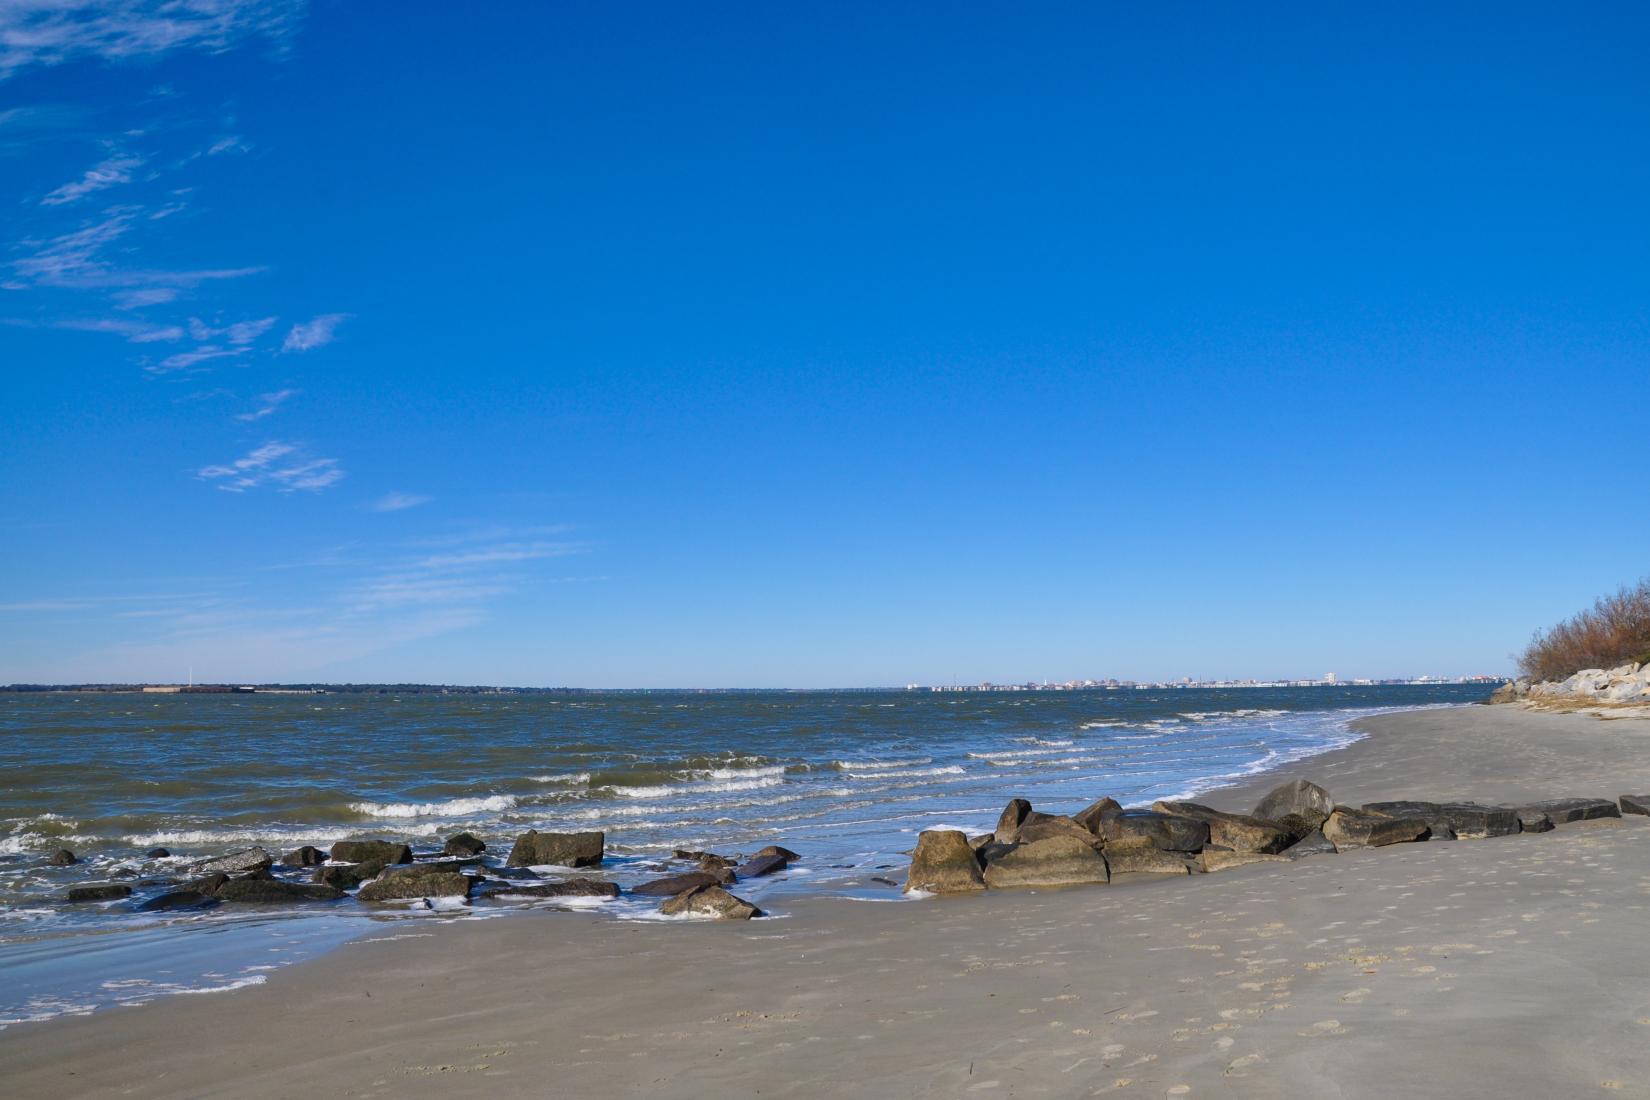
(1626, 685)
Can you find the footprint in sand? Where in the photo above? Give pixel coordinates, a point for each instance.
(1236, 1066)
(1353, 996)
(1322, 1027)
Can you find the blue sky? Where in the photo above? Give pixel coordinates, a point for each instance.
(658, 345)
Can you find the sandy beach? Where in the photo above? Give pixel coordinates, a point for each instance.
(1476, 968)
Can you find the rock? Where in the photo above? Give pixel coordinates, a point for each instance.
(1089, 816)
(1056, 861)
(1635, 804)
(264, 891)
(1439, 831)
(371, 851)
(1215, 859)
(1562, 810)
(409, 886)
(1533, 821)
(1460, 819)
(427, 867)
(1312, 844)
(1506, 693)
(464, 845)
(1159, 830)
(712, 862)
(108, 892)
(534, 848)
(176, 899)
(775, 850)
(762, 865)
(307, 856)
(61, 858)
(1050, 826)
(1008, 823)
(1351, 829)
(1234, 831)
(568, 888)
(978, 843)
(252, 859)
(207, 884)
(1307, 801)
(347, 876)
(711, 901)
(943, 863)
(157, 853)
(1144, 858)
(671, 885)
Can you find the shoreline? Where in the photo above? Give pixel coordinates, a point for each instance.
(946, 995)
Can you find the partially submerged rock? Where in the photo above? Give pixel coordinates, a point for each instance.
(104, 892)
(371, 851)
(775, 850)
(62, 858)
(307, 856)
(463, 844)
(268, 891)
(1151, 828)
(1347, 829)
(176, 899)
(1307, 801)
(567, 888)
(1460, 819)
(761, 865)
(157, 853)
(1563, 810)
(1234, 831)
(671, 885)
(711, 901)
(1055, 861)
(943, 863)
(412, 885)
(347, 876)
(252, 859)
(534, 848)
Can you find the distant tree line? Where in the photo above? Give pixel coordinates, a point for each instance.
(1615, 630)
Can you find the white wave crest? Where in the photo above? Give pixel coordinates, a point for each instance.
(453, 807)
(572, 779)
(902, 773)
(1010, 754)
(910, 762)
(743, 773)
(671, 790)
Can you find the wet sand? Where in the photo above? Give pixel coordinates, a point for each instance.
(1481, 968)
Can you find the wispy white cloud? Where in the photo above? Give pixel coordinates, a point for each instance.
(309, 335)
(78, 260)
(49, 32)
(137, 332)
(240, 332)
(285, 467)
(271, 404)
(148, 296)
(398, 502)
(504, 552)
(189, 360)
(111, 172)
(234, 143)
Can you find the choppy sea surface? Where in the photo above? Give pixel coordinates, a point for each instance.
(845, 779)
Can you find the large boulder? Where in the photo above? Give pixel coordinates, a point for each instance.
(1048, 825)
(1234, 831)
(347, 876)
(1635, 804)
(1135, 828)
(534, 848)
(253, 859)
(1307, 801)
(710, 901)
(775, 850)
(943, 863)
(1466, 820)
(1008, 822)
(1089, 816)
(307, 856)
(463, 844)
(176, 899)
(1146, 859)
(1561, 810)
(671, 885)
(1352, 829)
(207, 884)
(268, 891)
(757, 866)
(105, 892)
(411, 885)
(1056, 861)
(1312, 844)
(371, 851)
(567, 888)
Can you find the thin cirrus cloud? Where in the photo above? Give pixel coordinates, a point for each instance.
(398, 502)
(50, 32)
(133, 331)
(270, 405)
(309, 335)
(284, 467)
(111, 172)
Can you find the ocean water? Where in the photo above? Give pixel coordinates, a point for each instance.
(845, 779)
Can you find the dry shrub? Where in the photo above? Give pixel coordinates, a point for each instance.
(1613, 631)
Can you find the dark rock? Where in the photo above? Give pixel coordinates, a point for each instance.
(1055, 861)
(1352, 829)
(61, 858)
(124, 872)
(671, 885)
(1008, 822)
(107, 892)
(775, 850)
(464, 845)
(1089, 816)
(1437, 830)
(252, 859)
(534, 848)
(568, 888)
(409, 886)
(371, 851)
(1562, 810)
(254, 891)
(762, 865)
(426, 867)
(1533, 821)
(1312, 844)
(176, 899)
(1048, 825)
(1460, 819)
(943, 863)
(1635, 804)
(515, 874)
(1304, 800)
(1146, 859)
(347, 876)
(207, 884)
(1234, 831)
(307, 856)
(711, 901)
(157, 853)
(1166, 831)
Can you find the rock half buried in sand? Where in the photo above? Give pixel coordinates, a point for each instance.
(1562, 810)
(1234, 831)
(758, 866)
(464, 845)
(253, 859)
(1146, 859)
(371, 851)
(1467, 820)
(1057, 861)
(671, 885)
(710, 901)
(1089, 816)
(1350, 829)
(1217, 859)
(176, 899)
(1534, 821)
(107, 892)
(569, 888)
(1158, 830)
(1635, 804)
(943, 863)
(410, 886)
(1307, 801)
(1008, 822)
(307, 856)
(1312, 844)
(534, 848)
(268, 891)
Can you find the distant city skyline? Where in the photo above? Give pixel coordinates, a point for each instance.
(785, 347)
